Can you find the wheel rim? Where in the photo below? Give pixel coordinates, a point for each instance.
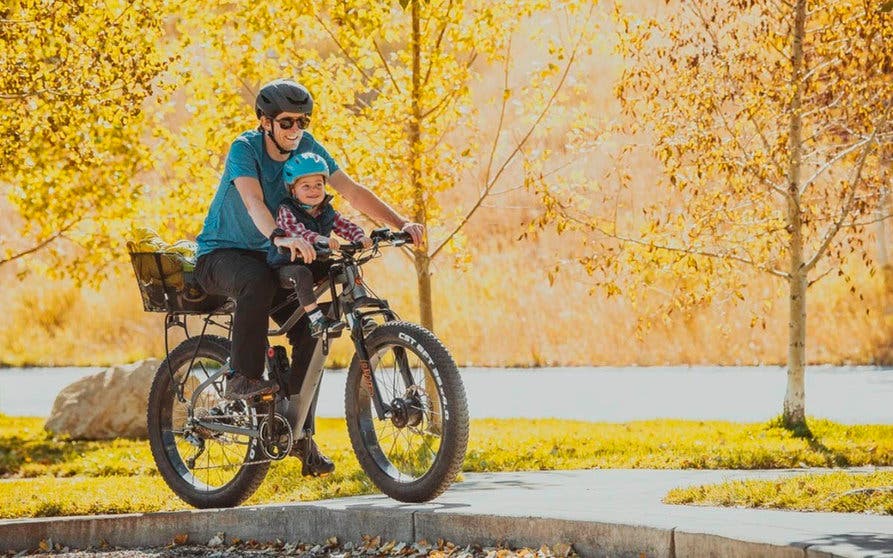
(405, 445)
(206, 461)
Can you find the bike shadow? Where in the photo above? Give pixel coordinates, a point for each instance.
(388, 504)
(380, 501)
(499, 484)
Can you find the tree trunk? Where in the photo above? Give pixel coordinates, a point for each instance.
(884, 353)
(423, 272)
(422, 259)
(883, 256)
(795, 398)
(420, 213)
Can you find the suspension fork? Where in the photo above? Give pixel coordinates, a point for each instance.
(403, 365)
(382, 409)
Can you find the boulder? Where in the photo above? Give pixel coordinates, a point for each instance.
(105, 405)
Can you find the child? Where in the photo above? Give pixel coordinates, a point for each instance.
(308, 213)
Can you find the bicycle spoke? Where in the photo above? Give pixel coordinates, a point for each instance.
(394, 379)
(218, 462)
(424, 438)
(388, 430)
(397, 437)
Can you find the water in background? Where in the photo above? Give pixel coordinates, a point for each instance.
(31, 391)
(844, 394)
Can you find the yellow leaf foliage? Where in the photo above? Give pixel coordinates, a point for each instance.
(407, 125)
(74, 80)
(100, 101)
(711, 89)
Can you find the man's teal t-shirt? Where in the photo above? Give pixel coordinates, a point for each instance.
(228, 224)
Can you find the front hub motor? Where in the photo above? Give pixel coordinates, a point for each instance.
(406, 412)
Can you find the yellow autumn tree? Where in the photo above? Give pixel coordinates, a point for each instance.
(394, 84)
(769, 119)
(74, 77)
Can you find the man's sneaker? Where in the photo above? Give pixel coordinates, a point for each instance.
(315, 463)
(240, 387)
(325, 325)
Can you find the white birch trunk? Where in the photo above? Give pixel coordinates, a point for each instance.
(795, 396)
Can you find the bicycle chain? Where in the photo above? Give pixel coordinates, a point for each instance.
(241, 464)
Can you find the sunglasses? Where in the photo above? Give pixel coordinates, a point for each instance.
(286, 123)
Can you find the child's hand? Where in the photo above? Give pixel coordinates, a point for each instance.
(366, 241)
(297, 247)
(333, 242)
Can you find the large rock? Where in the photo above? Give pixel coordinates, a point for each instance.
(106, 405)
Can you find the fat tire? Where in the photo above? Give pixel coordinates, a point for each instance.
(448, 462)
(161, 398)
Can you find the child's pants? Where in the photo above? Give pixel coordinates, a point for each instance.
(302, 278)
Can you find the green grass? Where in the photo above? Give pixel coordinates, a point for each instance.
(868, 492)
(514, 445)
(47, 476)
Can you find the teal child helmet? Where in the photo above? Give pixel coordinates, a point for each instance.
(304, 164)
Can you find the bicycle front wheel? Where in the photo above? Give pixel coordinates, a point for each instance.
(415, 452)
(206, 468)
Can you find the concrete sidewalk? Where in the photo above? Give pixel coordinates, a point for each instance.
(601, 512)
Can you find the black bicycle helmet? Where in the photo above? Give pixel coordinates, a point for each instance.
(283, 95)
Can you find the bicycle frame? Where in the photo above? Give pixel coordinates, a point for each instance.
(355, 304)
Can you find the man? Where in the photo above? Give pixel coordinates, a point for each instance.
(240, 226)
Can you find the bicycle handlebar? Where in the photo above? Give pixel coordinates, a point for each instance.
(323, 252)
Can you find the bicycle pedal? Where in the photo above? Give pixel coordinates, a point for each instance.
(260, 399)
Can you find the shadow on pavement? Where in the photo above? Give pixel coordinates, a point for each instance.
(391, 505)
(862, 541)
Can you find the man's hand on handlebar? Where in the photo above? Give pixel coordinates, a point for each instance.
(298, 247)
(416, 231)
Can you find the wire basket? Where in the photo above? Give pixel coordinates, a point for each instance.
(167, 286)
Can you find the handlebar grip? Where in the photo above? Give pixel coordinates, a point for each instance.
(402, 235)
(386, 235)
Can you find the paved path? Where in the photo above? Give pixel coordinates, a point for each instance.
(602, 512)
(745, 394)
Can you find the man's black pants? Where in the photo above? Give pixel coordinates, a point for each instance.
(244, 276)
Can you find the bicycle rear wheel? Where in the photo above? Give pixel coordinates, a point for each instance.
(415, 453)
(207, 469)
